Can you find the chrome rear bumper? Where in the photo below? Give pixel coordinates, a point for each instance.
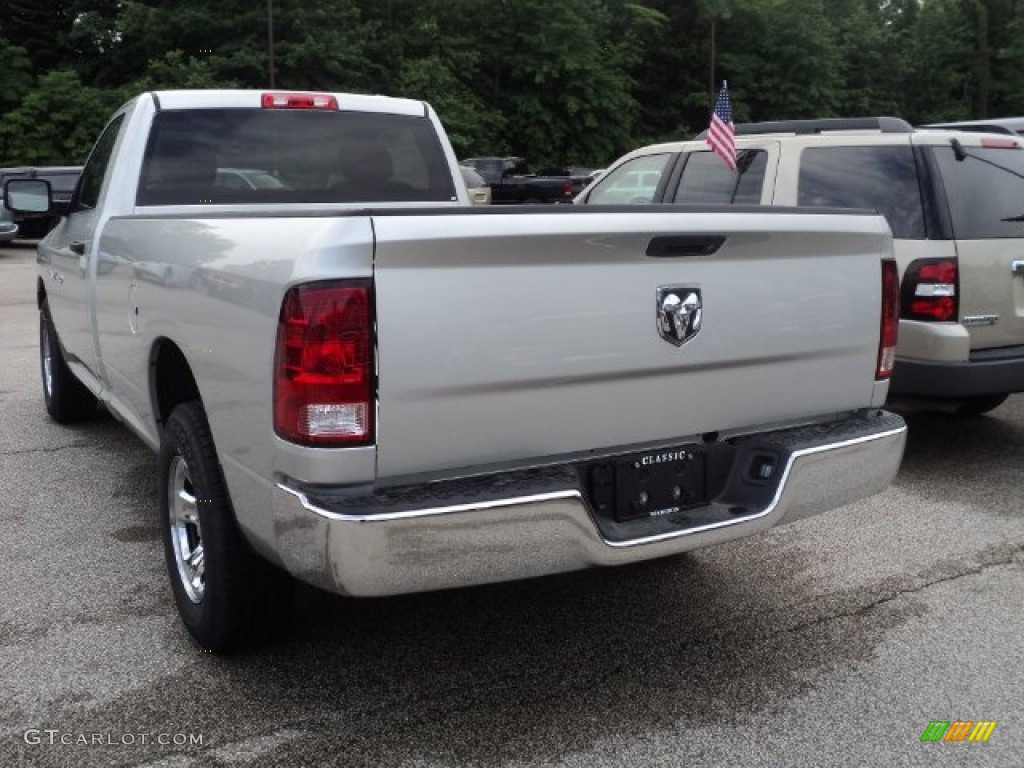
(527, 524)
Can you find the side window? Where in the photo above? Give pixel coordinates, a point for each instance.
(706, 179)
(882, 179)
(635, 181)
(96, 166)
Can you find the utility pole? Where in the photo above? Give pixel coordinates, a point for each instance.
(984, 65)
(270, 39)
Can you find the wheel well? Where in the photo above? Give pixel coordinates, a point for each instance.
(170, 380)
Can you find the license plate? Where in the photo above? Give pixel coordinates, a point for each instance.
(650, 484)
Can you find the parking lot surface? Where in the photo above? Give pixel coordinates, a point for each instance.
(834, 641)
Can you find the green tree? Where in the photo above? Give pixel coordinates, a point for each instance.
(872, 58)
(573, 81)
(42, 28)
(324, 46)
(939, 66)
(1001, 58)
(1008, 67)
(15, 74)
(781, 60)
(564, 91)
(56, 122)
(176, 69)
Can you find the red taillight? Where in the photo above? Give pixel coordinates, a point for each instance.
(323, 365)
(929, 291)
(939, 308)
(890, 321)
(299, 101)
(937, 272)
(567, 189)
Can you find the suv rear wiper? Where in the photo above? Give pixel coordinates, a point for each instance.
(961, 154)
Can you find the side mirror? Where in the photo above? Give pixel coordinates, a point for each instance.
(27, 195)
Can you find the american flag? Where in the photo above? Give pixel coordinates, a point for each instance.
(721, 133)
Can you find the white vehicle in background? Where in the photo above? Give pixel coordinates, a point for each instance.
(247, 178)
(478, 189)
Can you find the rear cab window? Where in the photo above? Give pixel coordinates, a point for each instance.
(879, 178)
(225, 156)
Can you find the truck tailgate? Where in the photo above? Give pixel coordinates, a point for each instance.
(512, 337)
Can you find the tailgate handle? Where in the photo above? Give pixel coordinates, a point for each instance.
(1018, 268)
(681, 246)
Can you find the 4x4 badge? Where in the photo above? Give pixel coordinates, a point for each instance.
(679, 313)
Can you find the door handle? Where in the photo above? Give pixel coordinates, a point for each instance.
(57, 277)
(1017, 268)
(77, 247)
(682, 246)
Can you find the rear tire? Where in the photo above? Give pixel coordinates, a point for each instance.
(227, 596)
(975, 406)
(67, 399)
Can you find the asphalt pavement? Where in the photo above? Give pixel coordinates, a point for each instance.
(831, 642)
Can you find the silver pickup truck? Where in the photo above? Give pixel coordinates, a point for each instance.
(355, 377)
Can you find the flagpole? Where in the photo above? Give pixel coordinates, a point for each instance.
(714, 18)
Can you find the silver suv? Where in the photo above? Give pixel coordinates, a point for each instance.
(954, 201)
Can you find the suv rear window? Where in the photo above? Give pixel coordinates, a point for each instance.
(985, 191)
(315, 156)
(706, 179)
(882, 179)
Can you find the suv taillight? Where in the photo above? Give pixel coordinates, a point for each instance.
(324, 365)
(890, 322)
(930, 291)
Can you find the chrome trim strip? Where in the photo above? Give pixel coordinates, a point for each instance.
(575, 494)
(430, 512)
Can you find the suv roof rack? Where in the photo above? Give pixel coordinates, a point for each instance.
(820, 125)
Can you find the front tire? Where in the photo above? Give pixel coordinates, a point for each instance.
(227, 595)
(67, 399)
